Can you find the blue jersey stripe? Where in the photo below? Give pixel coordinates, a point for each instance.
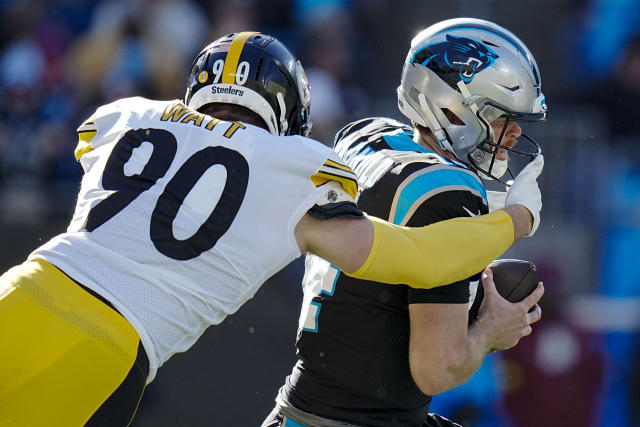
(431, 181)
(291, 423)
(400, 141)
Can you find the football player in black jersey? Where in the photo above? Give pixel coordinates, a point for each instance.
(373, 355)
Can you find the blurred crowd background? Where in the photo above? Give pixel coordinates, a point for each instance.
(60, 59)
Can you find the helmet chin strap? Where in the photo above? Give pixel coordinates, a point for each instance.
(470, 101)
(283, 114)
(434, 125)
(479, 158)
(467, 97)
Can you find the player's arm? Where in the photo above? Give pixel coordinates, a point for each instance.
(441, 354)
(397, 251)
(372, 249)
(446, 356)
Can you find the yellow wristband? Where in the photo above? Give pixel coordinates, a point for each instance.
(438, 254)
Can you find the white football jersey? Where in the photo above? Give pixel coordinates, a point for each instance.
(181, 217)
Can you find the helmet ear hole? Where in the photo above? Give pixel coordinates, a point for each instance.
(453, 119)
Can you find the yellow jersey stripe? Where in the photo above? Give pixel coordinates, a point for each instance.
(339, 172)
(86, 132)
(318, 181)
(81, 149)
(231, 63)
(337, 165)
(350, 185)
(84, 143)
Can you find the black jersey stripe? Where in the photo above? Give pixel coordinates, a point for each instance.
(336, 165)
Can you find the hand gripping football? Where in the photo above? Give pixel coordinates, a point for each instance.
(515, 279)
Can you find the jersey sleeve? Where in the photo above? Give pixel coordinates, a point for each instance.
(441, 207)
(368, 128)
(100, 128)
(436, 193)
(438, 254)
(351, 131)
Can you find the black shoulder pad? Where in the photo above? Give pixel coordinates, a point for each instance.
(336, 210)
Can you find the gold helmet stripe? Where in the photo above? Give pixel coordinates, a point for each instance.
(231, 63)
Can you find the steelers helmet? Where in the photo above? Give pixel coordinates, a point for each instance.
(256, 71)
(462, 74)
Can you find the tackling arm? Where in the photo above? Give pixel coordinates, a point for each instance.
(373, 249)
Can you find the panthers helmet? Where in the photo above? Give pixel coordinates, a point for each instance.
(255, 71)
(477, 71)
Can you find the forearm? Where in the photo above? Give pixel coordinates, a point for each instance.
(449, 376)
(478, 344)
(446, 360)
(522, 220)
(472, 354)
(421, 256)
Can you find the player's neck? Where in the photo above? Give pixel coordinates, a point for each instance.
(428, 141)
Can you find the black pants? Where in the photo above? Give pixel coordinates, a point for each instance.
(276, 419)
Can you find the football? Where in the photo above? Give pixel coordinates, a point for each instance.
(515, 279)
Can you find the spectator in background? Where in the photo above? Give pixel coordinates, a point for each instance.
(37, 104)
(226, 16)
(137, 48)
(22, 70)
(476, 403)
(618, 94)
(618, 283)
(634, 393)
(180, 25)
(22, 85)
(560, 358)
(328, 50)
(608, 26)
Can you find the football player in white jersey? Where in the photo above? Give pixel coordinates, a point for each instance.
(184, 210)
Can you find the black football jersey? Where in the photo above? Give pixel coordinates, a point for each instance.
(353, 340)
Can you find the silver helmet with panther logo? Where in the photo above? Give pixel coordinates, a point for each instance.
(462, 74)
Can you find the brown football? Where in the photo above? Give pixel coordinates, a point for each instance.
(515, 279)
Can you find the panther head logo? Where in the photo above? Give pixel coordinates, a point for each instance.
(457, 58)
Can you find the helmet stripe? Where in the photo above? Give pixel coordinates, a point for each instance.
(231, 63)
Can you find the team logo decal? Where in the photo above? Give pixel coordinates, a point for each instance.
(457, 58)
(203, 76)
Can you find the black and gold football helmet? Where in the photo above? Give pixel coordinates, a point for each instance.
(258, 72)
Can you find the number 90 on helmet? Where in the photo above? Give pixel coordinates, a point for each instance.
(462, 74)
(255, 71)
